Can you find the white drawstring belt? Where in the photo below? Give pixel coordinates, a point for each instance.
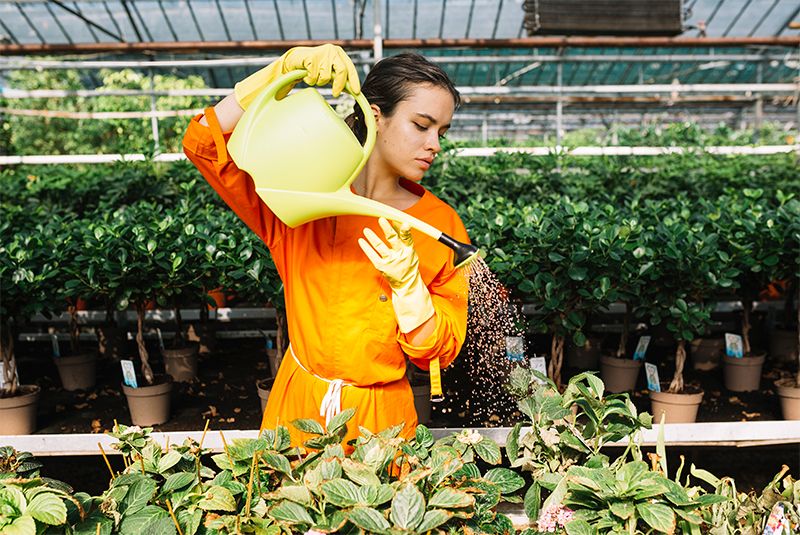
(332, 401)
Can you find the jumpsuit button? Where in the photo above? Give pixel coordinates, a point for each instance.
(383, 298)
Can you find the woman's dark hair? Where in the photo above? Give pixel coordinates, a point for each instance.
(390, 82)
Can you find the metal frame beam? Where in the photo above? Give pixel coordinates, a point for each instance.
(524, 42)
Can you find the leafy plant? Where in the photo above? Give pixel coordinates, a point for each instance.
(564, 430)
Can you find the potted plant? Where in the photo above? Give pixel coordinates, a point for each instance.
(788, 218)
(146, 254)
(619, 371)
(754, 243)
(77, 369)
(29, 276)
(682, 265)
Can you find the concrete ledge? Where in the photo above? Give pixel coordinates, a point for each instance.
(716, 434)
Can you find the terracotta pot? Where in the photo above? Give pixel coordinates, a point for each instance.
(783, 346)
(619, 375)
(18, 413)
(181, 364)
(586, 357)
(274, 360)
(264, 386)
(218, 295)
(789, 393)
(111, 342)
(744, 374)
(707, 353)
(149, 405)
(677, 408)
(77, 372)
(207, 341)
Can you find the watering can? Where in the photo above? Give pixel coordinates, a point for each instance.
(303, 158)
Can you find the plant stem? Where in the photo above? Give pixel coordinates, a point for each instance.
(143, 356)
(556, 358)
(676, 386)
(178, 341)
(172, 514)
(74, 330)
(746, 306)
(797, 347)
(9, 362)
(280, 338)
(623, 338)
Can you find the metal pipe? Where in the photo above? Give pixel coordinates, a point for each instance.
(521, 42)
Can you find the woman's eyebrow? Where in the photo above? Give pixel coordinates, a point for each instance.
(431, 119)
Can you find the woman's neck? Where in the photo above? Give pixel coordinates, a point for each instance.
(377, 184)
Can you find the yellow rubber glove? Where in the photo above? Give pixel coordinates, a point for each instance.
(399, 264)
(324, 63)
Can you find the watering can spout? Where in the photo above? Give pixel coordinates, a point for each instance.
(303, 158)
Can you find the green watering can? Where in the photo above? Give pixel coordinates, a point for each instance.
(303, 158)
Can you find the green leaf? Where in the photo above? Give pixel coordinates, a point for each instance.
(278, 462)
(140, 492)
(408, 508)
(290, 513)
(48, 508)
(296, 493)
(307, 425)
(657, 516)
(374, 495)
(506, 480)
(623, 510)
(338, 422)
(579, 527)
(178, 481)
(433, 519)
(368, 519)
(341, 492)
(423, 436)
(533, 500)
(22, 525)
(488, 450)
(577, 273)
(360, 473)
(448, 498)
(217, 498)
(168, 461)
(151, 519)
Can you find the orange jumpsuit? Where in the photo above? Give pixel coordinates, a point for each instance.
(340, 317)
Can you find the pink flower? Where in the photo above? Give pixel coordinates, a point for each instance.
(554, 517)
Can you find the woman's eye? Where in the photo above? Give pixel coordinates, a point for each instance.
(420, 127)
(443, 136)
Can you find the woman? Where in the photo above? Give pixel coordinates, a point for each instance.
(356, 305)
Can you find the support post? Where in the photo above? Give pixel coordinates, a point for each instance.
(154, 116)
(377, 39)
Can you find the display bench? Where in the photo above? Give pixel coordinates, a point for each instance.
(714, 434)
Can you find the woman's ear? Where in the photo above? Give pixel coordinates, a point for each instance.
(376, 111)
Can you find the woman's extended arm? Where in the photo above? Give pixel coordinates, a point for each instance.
(228, 113)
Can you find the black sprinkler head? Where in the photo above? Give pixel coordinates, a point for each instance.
(465, 252)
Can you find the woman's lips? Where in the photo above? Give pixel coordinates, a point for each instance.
(424, 163)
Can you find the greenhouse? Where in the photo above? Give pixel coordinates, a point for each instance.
(400, 266)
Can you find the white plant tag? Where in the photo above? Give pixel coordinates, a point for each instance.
(734, 345)
(515, 348)
(128, 373)
(160, 339)
(54, 341)
(641, 348)
(539, 364)
(653, 382)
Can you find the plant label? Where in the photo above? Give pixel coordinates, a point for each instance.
(160, 339)
(54, 341)
(777, 523)
(538, 364)
(515, 348)
(653, 383)
(641, 348)
(733, 345)
(128, 373)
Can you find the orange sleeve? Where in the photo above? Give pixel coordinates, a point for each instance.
(206, 148)
(449, 295)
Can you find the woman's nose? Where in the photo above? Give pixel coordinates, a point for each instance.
(433, 143)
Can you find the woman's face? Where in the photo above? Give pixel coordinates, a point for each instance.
(408, 140)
